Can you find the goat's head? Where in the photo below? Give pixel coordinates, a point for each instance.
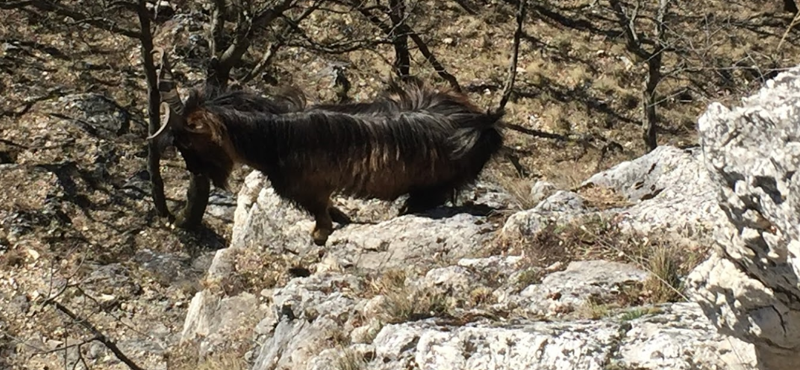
(195, 132)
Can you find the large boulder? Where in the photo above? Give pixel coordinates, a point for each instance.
(751, 287)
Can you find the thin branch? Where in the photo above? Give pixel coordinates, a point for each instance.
(98, 336)
(288, 29)
(627, 23)
(423, 48)
(537, 133)
(58, 91)
(52, 7)
(217, 26)
(437, 66)
(11, 143)
(512, 69)
(15, 4)
(66, 347)
(244, 32)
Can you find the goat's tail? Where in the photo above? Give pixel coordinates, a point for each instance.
(479, 136)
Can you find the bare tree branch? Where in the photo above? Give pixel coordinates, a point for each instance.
(287, 30)
(153, 103)
(653, 59)
(438, 67)
(512, 69)
(402, 59)
(98, 335)
(217, 26)
(423, 48)
(61, 10)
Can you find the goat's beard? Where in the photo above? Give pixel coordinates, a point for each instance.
(164, 141)
(214, 163)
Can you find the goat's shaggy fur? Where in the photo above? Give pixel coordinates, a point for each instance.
(412, 141)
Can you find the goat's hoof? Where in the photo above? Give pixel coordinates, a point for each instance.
(320, 237)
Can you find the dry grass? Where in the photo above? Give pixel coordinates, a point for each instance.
(594, 238)
(184, 357)
(405, 302)
(638, 312)
(593, 310)
(603, 198)
(519, 188)
(350, 360)
(412, 304)
(387, 281)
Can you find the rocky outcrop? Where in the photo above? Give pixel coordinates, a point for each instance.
(675, 338)
(750, 287)
(454, 308)
(264, 220)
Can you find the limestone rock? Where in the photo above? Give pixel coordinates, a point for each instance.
(264, 220)
(751, 289)
(561, 207)
(541, 190)
(671, 190)
(569, 289)
(679, 337)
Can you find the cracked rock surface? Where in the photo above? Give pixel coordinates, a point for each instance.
(750, 287)
(457, 309)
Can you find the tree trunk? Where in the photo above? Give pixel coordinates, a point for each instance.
(402, 61)
(153, 103)
(649, 119)
(512, 68)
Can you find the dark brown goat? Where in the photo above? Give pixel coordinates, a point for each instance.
(412, 141)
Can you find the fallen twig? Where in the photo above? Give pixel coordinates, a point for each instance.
(98, 336)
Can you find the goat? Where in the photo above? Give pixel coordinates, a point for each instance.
(414, 141)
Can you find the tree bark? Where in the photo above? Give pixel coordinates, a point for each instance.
(402, 61)
(512, 68)
(153, 103)
(650, 119)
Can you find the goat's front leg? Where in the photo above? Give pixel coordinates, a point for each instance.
(323, 226)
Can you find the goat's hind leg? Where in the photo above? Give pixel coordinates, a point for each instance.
(338, 216)
(422, 200)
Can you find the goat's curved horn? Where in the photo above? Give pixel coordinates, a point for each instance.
(169, 95)
(166, 85)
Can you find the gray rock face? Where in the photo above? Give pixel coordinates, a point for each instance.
(306, 314)
(751, 289)
(567, 290)
(560, 207)
(264, 220)
(671, 189)
(676, 338)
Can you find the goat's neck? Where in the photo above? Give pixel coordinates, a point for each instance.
(256, 144)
